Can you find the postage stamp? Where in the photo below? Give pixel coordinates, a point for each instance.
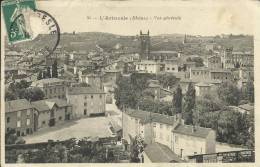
(16, 15)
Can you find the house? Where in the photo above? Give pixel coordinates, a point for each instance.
(149, 66)
(169, 131)
(50, 112)
(192, 140)
(111, 75)
(52, 87)
(172, 66)
(94, 80)
(86, 101)
(214, 62)
(200, 73)
(159, 153)
(19, 115)
(221, 74)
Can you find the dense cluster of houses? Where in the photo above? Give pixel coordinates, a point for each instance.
(66, 98)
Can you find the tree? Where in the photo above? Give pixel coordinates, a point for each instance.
(9, 95)
(229, 93)
(189, 104)
(198, 61)
(55, 69)
(250, 90)
(48, 74)
(177, 100)
(33, 94)
(167, 80)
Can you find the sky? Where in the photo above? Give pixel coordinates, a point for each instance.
(196, 19)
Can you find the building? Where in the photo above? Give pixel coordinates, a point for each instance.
(92, 79)
(191, 140)
(145, 45)
(172, 66)
(19, 115)
(214, 62)
(52, 87)
(221, 74)
(50, 112)
(232, 59)
(200, 73)
(86, 101)
(169, 131)
(149, 66)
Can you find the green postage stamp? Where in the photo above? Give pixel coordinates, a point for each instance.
(16, 15)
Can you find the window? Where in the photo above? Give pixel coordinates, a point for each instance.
(60, 118)
(85, 104)
(168, 68)
(19, 114)
(50, 91)
(18, 124)
(8, 119)
(173, 69)
(91, 96)
(86, 97)
(43, 122)
(28, 121)
(100, 96)
(85, 111)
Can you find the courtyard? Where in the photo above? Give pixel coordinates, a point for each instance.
(85, 127)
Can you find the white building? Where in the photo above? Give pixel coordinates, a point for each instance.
(148, 66)
(86, 101)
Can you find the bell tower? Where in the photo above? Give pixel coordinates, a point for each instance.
(144, 45)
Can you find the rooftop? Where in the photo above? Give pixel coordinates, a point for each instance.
(145, 116)
(84, 90)
(190, 131)
(157, 152)
(47, 104)
(17, 105)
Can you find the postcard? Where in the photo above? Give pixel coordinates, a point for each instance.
(135, 82)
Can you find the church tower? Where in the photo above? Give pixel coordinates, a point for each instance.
(145, 45)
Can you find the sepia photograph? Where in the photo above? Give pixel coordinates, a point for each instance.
(118, 82)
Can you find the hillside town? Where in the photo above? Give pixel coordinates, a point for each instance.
(100, 97)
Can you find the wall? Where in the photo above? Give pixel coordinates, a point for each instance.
(93, 105)
(163, 133)
(189, 144)
(13, 121)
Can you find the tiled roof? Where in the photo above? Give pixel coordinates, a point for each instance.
(146, 116)
(43, 105)
(17, 105)
(189, 131)
(157, 152)
(84, 90)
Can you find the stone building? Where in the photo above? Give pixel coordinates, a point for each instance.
(86, 101)
(19, 115)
